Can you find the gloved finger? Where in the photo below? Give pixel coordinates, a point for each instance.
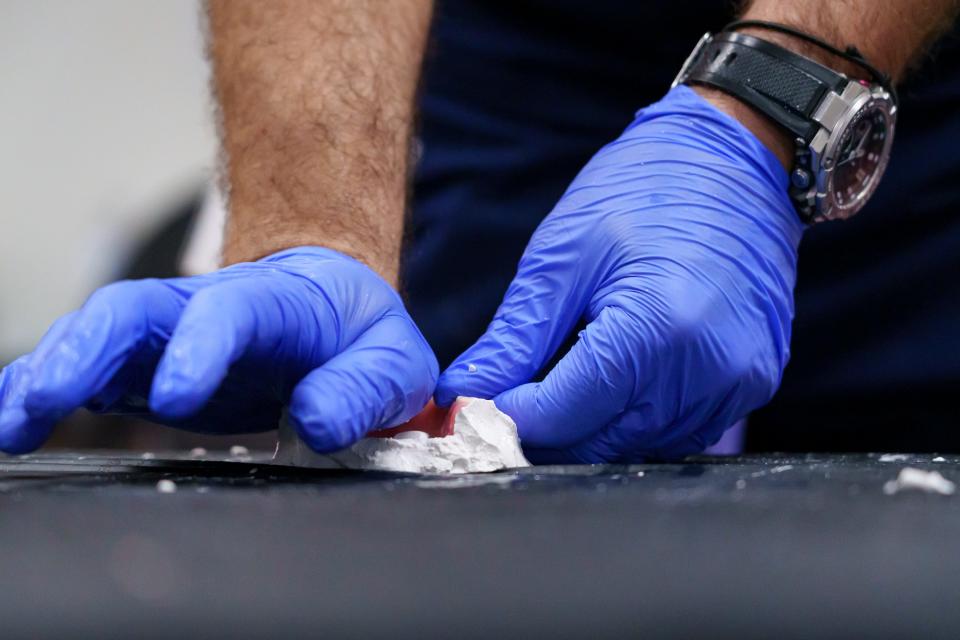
(587, 389)
(215, 329)
(539, 310)
(225, 321)
(18, 373)
(384, 378)
(118, 321)
(18, 432)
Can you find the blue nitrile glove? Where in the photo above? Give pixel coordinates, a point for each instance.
(224, 352)
(677, 244)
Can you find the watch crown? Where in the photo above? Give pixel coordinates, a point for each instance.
(800, 178)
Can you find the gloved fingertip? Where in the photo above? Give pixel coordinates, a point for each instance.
(449, 386)
(372, 384)
(56, 385)
(19, 433)
(172, 398)
(316, 429)
(184, 382)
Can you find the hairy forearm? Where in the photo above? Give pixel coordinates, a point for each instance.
(891, 34)
(317, 104)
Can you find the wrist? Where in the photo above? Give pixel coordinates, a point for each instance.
(718, 147)
(386, 264)
(804, 48)
(772, 135)
(298, 254)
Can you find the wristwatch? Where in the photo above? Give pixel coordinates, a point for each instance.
(843, 127)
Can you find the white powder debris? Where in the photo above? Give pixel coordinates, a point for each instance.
(911, 478)
(166, 486)
(146, 455)
(741, 484)
(198, 452)
(471, 368)
(893, 457)
(239, 451)
(484, 439)
(777, 469)
(939, 459)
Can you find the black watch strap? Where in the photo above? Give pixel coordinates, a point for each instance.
(785, 86)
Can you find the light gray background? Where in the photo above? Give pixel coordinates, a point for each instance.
(105, 122)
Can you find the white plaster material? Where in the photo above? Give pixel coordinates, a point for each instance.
(198, 452)
(920, 480)
(939, 459)
(239, 451)
(484, 439)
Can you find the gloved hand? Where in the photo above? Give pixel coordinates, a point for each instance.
(677, 244)
(224, 352)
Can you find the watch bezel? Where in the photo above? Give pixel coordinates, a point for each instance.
(849, 107)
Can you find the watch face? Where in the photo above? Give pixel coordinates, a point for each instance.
(861, 157)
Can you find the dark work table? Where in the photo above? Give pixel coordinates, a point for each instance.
(749, 547)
